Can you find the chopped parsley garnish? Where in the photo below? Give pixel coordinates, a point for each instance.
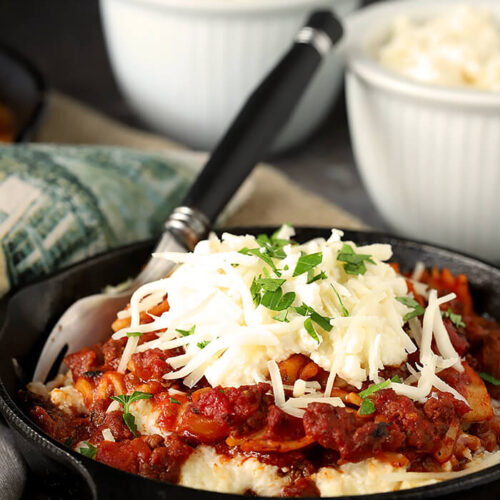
(377, 387)
(418, 310)
(134, 334)
(489, 378)
(345, 312)
(310, 329)
(125, 401)
(307, 262)
(186, 333)
(311, 277)
(354, 262)
(322, 321)
(367, 407)
(456, 319)
(268, 292)
(68, 442)
(269, 248)
(261, 255)
(174, 401)
(203, 344)
(276, 301)
(282, 316)
(90, 451)
(374, 388)
(273, 245)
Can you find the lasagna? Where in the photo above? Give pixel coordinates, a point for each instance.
(266, 367)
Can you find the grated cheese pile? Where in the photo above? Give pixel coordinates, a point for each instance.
(458, 48)
(350, 324)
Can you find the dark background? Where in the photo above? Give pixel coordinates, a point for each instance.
(65, 40)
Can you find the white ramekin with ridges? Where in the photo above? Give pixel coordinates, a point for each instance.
(186, 66)
(429, 155)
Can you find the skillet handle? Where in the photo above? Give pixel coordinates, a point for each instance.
(262, 117)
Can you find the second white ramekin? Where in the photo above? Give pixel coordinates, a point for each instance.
(186, 66)
(429, 156)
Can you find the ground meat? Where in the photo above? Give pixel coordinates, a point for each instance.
(166, 460)
(125, 455)
(86, 360)
(330, 426)
(354, 439)
(488, 359)
(114, 422)
(112, 351)
(281, 426)
(149, 456)
(60, 425)
(424, 428)
(242, 409)
(303, 487)
(150, 364)
(457, 338)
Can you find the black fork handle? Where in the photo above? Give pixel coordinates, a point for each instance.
(263, 116)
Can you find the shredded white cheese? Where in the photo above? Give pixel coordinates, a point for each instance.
(235, 342)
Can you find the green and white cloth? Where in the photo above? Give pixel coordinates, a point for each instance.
(60, 204)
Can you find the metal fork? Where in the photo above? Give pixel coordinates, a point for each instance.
(247, 140)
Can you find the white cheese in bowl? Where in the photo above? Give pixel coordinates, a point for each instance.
(459, 48)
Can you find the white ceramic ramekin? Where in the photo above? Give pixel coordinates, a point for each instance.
(428, 155)
(186, 66)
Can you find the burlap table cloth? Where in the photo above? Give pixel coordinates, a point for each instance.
(274, 199)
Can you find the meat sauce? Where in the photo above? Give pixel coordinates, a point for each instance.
(245, 420)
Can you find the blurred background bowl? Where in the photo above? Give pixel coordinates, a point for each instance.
(22, 97)
(186, 66)
(428, 155)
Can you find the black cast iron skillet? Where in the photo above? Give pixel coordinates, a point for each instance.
(64, 474)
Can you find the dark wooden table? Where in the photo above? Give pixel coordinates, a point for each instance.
(65, 40)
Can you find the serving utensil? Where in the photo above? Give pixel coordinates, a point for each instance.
(244, 144)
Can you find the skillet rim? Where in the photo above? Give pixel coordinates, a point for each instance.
(86, 467)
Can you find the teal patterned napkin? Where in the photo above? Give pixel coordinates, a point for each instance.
(61, 204)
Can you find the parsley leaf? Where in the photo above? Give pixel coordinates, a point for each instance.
(129, 420)
(261, 255)
(354, 263)
(68, 442)
(456, 319)
(274, 246)
(489, 378)
(310, 329)
(203, 344)
(134, 334)
(276, 301)
(273, 297)
(345, 312)
(322, 321)
(282, 316)
(311, 278)
(418, 310)
(186, 333)
(270, 284)
(367, 407)
(374, 388)
(90, 451)
(307, 263)
(125, 401)
(174, 401)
